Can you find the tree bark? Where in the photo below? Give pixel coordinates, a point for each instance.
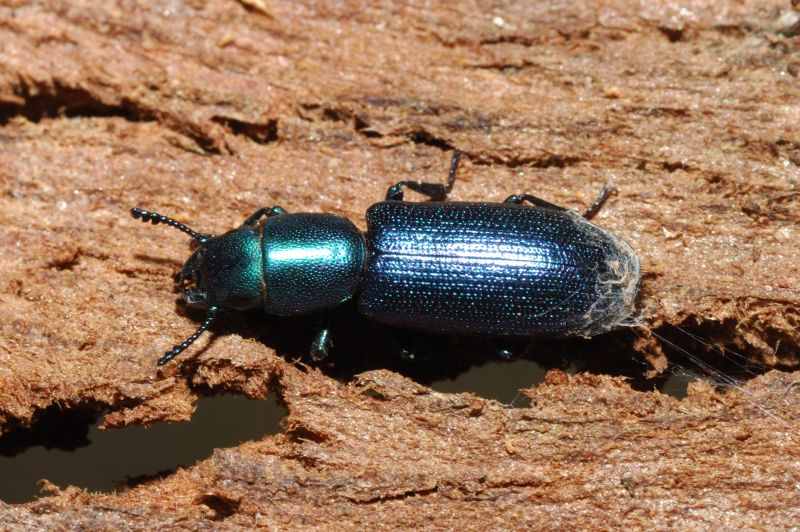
(206, 111)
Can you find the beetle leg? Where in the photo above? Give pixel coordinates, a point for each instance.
(598, 203)
(321, 345)
(518, 199)
(435, 191)
(403, 353)
(502, 349)
(588, 214)
(264, 212)
(400, 345)
(505, 354)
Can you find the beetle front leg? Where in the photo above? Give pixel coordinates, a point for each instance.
(267, 212)
(435, 191)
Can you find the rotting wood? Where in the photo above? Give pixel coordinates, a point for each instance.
(386, 452)
(208, 111)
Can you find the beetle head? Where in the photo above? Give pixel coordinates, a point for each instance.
(225, 272)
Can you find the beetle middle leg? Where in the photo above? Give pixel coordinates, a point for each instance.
(267, 212)
(518, 199)
(588, 214)
(435, 191)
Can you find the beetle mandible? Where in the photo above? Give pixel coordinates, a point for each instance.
(524, 267)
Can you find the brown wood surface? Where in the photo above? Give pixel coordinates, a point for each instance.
(208, 110)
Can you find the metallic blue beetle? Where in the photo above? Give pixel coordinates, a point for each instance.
(488, 269)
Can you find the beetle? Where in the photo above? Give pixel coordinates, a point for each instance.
(523, 267)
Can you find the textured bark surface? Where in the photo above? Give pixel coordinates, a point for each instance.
(207, 111)
(385, 452)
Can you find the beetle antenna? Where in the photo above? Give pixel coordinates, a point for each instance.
(178, 349)
(155, 218)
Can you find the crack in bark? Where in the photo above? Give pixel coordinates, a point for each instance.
(506, 68)
(40, 101)
(545, 160)
(422, 136)
(510, 39)
(260, 133)
(407, 494)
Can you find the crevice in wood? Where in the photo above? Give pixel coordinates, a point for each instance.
(39, 101)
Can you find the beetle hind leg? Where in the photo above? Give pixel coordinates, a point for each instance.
(598, 203)
(434, 191)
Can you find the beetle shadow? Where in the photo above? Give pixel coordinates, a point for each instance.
(361, 345)
(358, 344)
